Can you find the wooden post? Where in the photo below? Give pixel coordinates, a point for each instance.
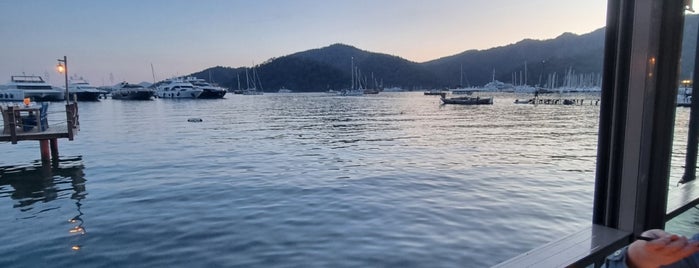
(45, 154)
(13, 124)
(54, 149)
(69, 120)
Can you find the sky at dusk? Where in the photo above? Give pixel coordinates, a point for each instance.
(111, 41)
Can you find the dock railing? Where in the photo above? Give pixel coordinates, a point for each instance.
(32, 123)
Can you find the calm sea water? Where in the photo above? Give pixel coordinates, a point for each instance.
(303, 180)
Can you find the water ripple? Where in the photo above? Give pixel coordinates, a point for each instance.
(312, 180)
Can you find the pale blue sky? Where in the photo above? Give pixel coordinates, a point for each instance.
(123, 38)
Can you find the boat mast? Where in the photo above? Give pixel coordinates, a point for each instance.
(258, 81)
(152, 71)
(352, 66)
(247, 79)
(525, 72)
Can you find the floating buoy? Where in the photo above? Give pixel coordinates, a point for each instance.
(194, 120)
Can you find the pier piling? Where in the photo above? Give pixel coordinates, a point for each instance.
(45, 155)
(54, 148)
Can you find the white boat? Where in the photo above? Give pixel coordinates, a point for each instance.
(126, 91)
(33, 87)
(209, 91)
(356, 86)
(684, 96)
(84, 91)
(523, 86)
(284, 90)
(177, 88)
(495, 85)
(252, 85)
(466, 100)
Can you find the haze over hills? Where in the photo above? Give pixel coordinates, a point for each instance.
(329, 67)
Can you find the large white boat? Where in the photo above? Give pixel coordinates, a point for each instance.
(84, 91)
(209, 91)
(177, 88)
(126, 91)
(33, 87)
(356, 85)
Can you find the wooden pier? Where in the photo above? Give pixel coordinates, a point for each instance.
(546, 101)
(30, 123)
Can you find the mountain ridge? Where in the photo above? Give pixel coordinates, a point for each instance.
(329, 67)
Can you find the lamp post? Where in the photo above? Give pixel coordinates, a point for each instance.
(62, 67)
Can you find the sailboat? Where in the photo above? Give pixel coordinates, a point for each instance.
(496, 85)
(356, 87)
(463, 90)
(252, 86)
(524, 87)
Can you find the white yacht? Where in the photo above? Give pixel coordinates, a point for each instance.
(177, 89)
(209, 91)
(84, 91)
(33, 87)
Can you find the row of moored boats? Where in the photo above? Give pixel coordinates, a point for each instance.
(35, 88)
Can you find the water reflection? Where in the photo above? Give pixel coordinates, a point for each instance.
(36, 183)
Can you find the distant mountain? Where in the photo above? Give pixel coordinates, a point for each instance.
(330, 67)
(583, 53)
(391, 70)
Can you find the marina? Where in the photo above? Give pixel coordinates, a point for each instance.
(306, 175)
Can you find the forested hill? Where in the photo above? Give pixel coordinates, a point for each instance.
(329, 67)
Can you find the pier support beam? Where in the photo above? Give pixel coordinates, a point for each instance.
(54, 149)
(45, 154)
(637, 113)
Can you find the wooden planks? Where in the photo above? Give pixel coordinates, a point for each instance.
(53, 132)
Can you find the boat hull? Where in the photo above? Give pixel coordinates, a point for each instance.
(190, 94)
(86, 96)
(133, 95)
(468, 101)
(11, 95)
(210, 94)
(47, 95)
